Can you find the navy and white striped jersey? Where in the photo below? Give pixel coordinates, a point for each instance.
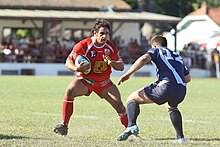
(169, 65)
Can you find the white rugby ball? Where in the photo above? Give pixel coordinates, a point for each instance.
(82, 58)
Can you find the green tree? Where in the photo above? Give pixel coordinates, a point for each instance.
(210, 3)
(179, 8)
(132, 3)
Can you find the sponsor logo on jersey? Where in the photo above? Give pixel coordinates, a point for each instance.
(93, 53)
(107, 51)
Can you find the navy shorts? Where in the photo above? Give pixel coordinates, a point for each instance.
(163, 91)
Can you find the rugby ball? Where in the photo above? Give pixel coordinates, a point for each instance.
(82, 58)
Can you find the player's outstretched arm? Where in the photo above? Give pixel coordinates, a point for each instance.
(123, 78)
(140, 62)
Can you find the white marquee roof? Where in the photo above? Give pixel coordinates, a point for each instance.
(87, 15)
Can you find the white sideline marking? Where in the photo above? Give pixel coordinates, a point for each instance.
(199, 121)
(53, 114)
(95, 117)
(84, 116)
(187, 121)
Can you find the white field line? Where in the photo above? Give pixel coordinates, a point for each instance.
(197, 121)
(95, 117)
(186, 121)
(53, 114)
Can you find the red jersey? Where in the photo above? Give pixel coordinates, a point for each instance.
(100, 70)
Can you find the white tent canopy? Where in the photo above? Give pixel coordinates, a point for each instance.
(87, 15)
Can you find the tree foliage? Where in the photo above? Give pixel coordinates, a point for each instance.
(179, 8)
(132, 3)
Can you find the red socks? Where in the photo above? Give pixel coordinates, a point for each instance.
(67, 110)
(123, 118)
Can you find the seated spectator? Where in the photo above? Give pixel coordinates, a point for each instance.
(59, 54)
(12, 56)
(133, 50)
(49, 53)
(35, 54)
(24, 42)
(27, 55)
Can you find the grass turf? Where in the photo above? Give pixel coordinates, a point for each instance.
(31, 107)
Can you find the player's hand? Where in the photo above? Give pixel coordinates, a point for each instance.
(107, 59)
(83, 67)
(123, 78)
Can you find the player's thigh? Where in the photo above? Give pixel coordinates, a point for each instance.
(76, 88)
(112, 96)
(168, 107)
(112, 93)
(139, 96)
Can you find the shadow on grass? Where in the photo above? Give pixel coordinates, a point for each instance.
(193, 139)
(205, 139)
(12, 137)
(165, 139)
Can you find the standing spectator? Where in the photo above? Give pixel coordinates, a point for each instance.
(213, 67)
(186, 59)
(39, 42)
(16, 41)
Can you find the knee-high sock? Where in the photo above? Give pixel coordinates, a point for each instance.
(123, 118)
(176, 120)
(67, 109)
(133, 110)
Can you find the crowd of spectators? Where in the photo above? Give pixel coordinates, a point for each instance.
(132, 50)
(198, 56)
(30, 50)
(195, 56)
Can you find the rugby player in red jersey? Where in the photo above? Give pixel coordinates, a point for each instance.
(103, 56)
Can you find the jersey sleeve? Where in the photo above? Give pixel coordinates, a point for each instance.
(77, 50)
(153, 53)
(115, 55)
(186, 71)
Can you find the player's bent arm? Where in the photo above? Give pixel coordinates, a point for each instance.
(70, 65)
(140, 62)
(117, 65)
(188, 78)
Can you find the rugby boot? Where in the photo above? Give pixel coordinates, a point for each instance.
(127, 132)
(181, 140)
(61, 129)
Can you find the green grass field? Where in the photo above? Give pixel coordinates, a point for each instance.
(31, 106)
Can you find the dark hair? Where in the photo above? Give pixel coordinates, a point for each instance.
(98, 24)
(159, 40)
